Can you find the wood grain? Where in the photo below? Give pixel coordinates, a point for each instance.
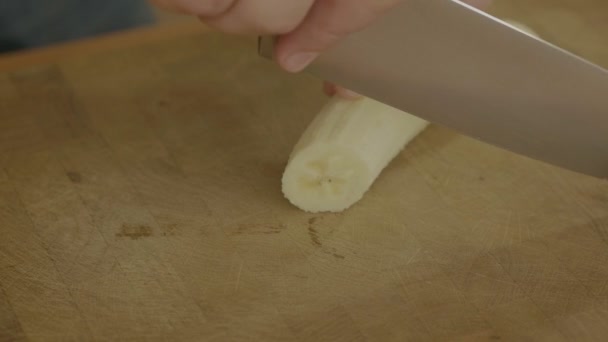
(140, 200)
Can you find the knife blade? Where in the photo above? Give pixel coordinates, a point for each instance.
(458, 67)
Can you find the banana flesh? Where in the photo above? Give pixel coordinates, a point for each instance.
(343, 151)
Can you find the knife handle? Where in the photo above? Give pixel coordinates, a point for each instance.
(266, 46)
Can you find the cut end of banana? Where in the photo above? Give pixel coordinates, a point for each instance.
(325, 179)
(342, 152)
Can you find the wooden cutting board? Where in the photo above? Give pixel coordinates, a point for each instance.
(140, 200)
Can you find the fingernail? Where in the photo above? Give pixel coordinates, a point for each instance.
(348, 94)
(298, 61)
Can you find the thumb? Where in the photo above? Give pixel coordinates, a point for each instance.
(326, 23)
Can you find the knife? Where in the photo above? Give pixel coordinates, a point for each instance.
(458, 67)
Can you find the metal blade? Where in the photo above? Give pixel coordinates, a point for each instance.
(455, 66)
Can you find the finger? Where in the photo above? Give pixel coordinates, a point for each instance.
(262, 17)
(326, 23)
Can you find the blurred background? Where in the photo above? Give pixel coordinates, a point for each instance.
(28, 24)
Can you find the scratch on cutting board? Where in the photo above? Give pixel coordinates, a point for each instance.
(507, 227)
(413, 256)
(519, 227)
(401, 282)
(492, 278)
(238, 277)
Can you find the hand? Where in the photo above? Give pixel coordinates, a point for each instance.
(305, 28)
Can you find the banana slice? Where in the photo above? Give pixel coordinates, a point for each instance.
(343, 151)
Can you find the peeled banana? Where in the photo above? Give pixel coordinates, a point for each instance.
(342, 152)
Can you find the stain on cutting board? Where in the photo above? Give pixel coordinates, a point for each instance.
(134, 232)
(315, 239)
(313, 233)
(258, 229)
(74, 177)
